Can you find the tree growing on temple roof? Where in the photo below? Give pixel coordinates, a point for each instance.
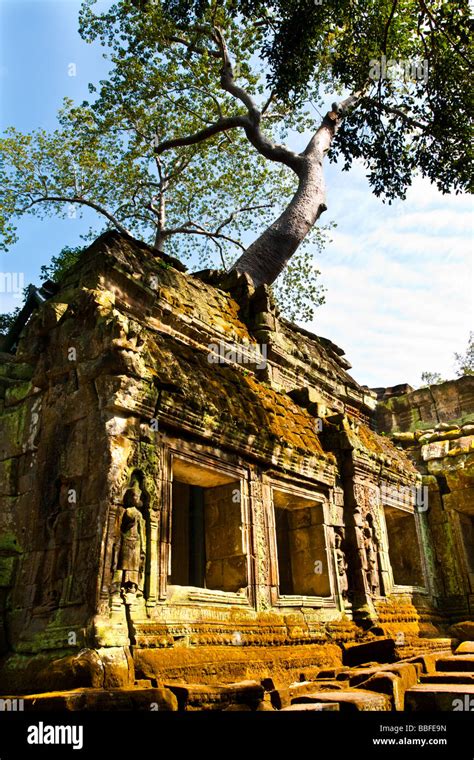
(183, 141)
(398, 72)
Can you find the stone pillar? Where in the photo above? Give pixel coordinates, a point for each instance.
(261, 519)
(367, 578)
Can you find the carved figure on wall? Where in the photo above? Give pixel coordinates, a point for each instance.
(133, 541)
(371, 555)
(57, 561)
(341, 562)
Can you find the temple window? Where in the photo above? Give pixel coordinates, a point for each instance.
(207, 542)
(403, 547)
(300, 546)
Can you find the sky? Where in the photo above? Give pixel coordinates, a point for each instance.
(399, 278)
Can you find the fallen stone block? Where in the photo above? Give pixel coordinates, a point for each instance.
(280, 698)
(428, 661)
(313, 706)
(219, 697)
(463, 631)
(389, 684)
(463, 662)
(378, 650)
(452, 677)
(348, 700)
(152, 699)
(406, 671)
(466, 647)
(440, 697)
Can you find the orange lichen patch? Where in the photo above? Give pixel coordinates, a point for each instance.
(174, 290)
(212, 306)
(293, 425)
(200, 300)
(230, 397)
(377, 444)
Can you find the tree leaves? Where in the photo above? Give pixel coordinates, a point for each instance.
(208, 200)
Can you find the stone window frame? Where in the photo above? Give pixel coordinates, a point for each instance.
(300, 600)
(193, 594)
(398, 588)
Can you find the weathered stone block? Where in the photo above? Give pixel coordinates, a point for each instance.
(378, 650)
(152, 699)
(463, 631)
(246, 694)
(458, 662)
(439, 697)
(434, 450)
(349, 700)
(466, 647)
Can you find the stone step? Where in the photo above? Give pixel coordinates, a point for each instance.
(348, 700)
(440, 697)
(453, 677)
(457, 662)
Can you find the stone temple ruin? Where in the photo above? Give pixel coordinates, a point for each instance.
(201, 509)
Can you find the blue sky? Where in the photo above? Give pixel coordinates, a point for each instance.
(399, 278)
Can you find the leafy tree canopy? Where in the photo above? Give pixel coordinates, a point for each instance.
(410, 61)
(180, 145)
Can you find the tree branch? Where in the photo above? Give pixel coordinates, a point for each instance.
(241, 210)
(251, 123)
(197, 229)
(432, 19)
(266, 147)
(398, 112)
(222, 125)
(77, 199)
(192, 47)
(387, 26)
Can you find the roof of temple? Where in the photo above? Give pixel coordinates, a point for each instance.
(212, 352)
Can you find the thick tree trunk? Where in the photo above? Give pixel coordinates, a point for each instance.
(159, 244)
(269, 254)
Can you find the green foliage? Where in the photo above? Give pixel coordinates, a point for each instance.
(430, 378)
(407, 121)
(7, 320)
(465, 362)
(204, 201)
(60, 263)
(297, 290)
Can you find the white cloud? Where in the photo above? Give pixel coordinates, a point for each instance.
(399, 280)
